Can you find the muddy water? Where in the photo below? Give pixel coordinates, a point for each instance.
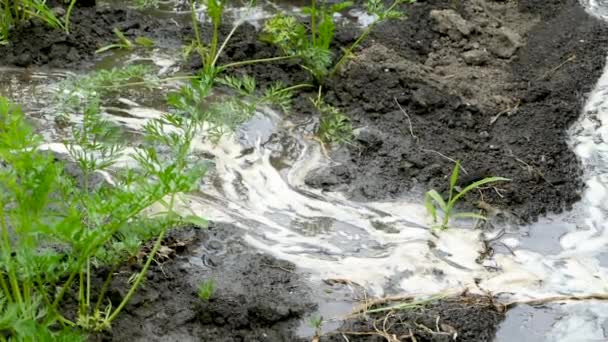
(385, 247)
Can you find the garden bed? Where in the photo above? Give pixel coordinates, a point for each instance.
(493, 84)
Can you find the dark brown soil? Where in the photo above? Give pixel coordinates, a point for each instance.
(494, 84)
(452, 103)
(34, 44)
(257, 297)
(467, 319)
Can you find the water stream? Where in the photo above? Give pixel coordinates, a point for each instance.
(386, 246)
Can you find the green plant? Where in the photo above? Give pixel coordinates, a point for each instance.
(381, 13)
(125, 44)
(434, 200)
(227, 111)
(206, 289)
(210, 52)
(14, 12)
(316, 322)
(55, 231)
(313, 47)
(334, 126)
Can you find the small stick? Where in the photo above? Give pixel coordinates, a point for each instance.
(596, 296)
(548, 73)
(446, 157)
(408, 118)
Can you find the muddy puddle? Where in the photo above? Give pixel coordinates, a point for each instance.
(383, 247)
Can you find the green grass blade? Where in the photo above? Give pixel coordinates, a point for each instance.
(454, 179)
(436, 197)
(478, 184)
(470, 215)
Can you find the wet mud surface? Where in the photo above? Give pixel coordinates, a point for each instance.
(256, 296)
(485, 87)
(494, 84)
(91, 28)
(463, 318)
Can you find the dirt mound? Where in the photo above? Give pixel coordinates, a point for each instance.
(487, 85)
(34, 43)
(464, 319)
(257, 297)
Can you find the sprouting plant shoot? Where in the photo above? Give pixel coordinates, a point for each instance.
(316, 322)
(312, 46)
(211, 51)
(434, 201)
(334, 126)
(206, 289)
(125, 44)
(381, 13)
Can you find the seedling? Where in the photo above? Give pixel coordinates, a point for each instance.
(334, 126)
(125, 44)
(211, 51)
(313, 46)
(206, 289)
(56, 231)
(434, 200)
(316, 322)
(382, 13)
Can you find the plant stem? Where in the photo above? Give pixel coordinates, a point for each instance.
(197, 33)
(365, 33)
(219, 52)
(254, 61)
(350, 49)
(104, 287)
(144, 271)
(68, 14)
(295, 87)
(5, 289)
(313, 19)
(139, 278)
(162, 80)
(12, 276)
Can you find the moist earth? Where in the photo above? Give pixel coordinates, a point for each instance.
(460, 318)
(256, 296)
(91, 28)
(494, 84)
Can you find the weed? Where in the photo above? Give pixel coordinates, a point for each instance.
(206, 289)
(434, 200)
(334, 126)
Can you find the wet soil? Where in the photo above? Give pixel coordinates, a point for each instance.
(34, 44)
(464, 318)
(256, 297)
(492, 84)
